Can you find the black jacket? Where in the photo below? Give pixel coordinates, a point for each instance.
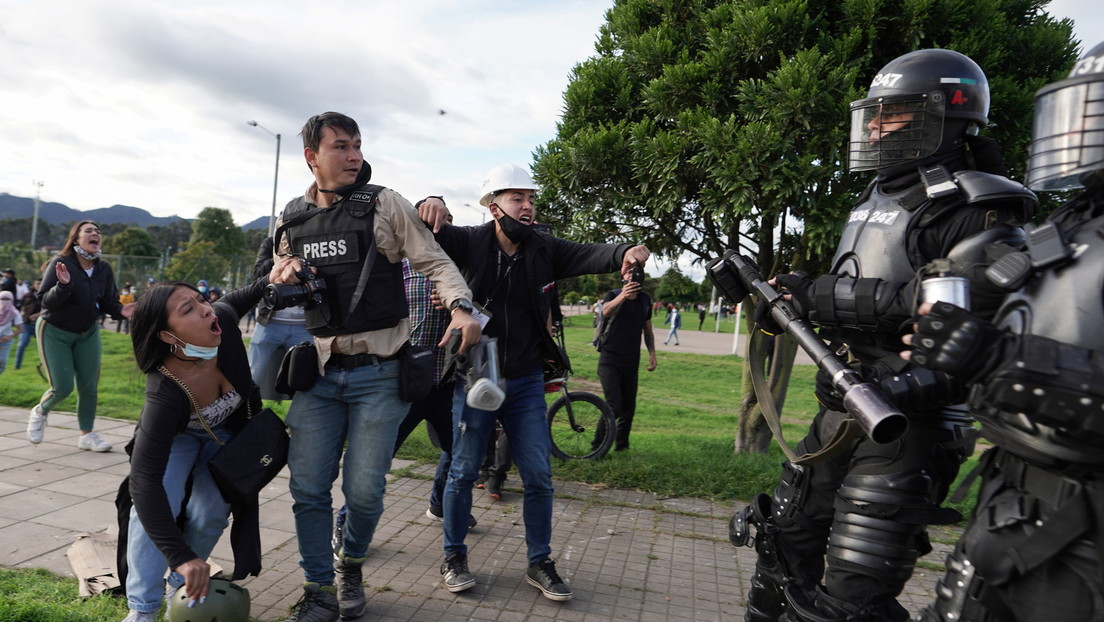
(548, 258)
(76, 306)
(165, 415)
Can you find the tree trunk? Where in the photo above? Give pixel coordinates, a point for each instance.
(752, 433)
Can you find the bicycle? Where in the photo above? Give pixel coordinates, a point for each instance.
(580, 423)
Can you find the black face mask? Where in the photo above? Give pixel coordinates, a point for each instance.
(513, 229)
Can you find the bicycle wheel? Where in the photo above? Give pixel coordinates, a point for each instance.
(581, 426)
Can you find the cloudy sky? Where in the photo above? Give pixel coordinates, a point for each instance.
(145, 103)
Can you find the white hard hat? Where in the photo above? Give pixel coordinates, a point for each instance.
(505, 177)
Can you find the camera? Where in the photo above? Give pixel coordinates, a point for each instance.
(310, 293)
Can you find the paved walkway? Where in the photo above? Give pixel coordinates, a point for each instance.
(628, 555)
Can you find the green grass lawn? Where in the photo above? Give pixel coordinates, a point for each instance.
(683, 432)
(682, 445)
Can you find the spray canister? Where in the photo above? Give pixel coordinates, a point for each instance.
(939, 284)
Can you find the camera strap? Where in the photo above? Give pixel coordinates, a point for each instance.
(367, 269)
(841, 437)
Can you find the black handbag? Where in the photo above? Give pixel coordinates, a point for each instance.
(299, 369)
(250, 460)
(416, 367)
(246, 463)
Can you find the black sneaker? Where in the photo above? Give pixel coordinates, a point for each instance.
(544, 577)
(457, 577)
(435, 512)
(350, 590)
(318, 604)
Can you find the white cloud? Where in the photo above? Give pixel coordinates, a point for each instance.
(146, 103)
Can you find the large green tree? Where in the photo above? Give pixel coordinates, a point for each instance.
(674, 286)
(216, 225)
(131, 241)
(703, 125)
(199, 260)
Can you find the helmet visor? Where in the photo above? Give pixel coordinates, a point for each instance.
(892, 130)
(1068, 134)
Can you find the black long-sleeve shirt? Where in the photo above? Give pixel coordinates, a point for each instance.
(166, 414)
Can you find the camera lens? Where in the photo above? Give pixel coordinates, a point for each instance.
(282, 296)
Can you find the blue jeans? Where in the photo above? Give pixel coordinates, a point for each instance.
(361, 406)
(266, 350)
(207, 517)
(524, 421)
(25, 337)
(5, 349)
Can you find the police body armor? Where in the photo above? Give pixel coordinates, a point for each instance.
(338, 240)
(1046, 403)
(880, 242)
(874, 245)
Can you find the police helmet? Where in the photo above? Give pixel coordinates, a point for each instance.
(226, 602)
(919, 104)
(1068, 139)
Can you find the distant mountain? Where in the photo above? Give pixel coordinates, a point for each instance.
(260, 223)
(57, 213)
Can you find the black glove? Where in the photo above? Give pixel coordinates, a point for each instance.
(951, 339)
(764, 321)
(826, 393)
(803, 292)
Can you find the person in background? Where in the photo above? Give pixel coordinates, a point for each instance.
(77, 287)
(674, 318)
(21, 289)
(126, 296)
(189, 350)
(496, 464)
(7, 280)
(30, 310)
(628, 313)
(201, 285)
(9, 326)
(428, 325)
(276, 331)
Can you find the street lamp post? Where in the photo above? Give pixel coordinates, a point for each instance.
(482, 211)
(34, 219)
(275, 179)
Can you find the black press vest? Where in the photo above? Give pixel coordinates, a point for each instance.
(337, 240)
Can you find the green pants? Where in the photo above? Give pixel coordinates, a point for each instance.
(70, 359)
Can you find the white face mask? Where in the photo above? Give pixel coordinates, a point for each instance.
(205, 353)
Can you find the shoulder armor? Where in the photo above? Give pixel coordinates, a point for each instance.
(979, 187)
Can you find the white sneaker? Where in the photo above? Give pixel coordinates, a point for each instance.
(138, 616)
(36, 425)
(93, 442)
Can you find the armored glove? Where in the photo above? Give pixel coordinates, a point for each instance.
(952, 340)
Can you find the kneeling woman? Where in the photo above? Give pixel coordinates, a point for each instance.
(192, 352)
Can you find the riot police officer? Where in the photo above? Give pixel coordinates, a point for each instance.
(1032, 550)
(940, 192)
